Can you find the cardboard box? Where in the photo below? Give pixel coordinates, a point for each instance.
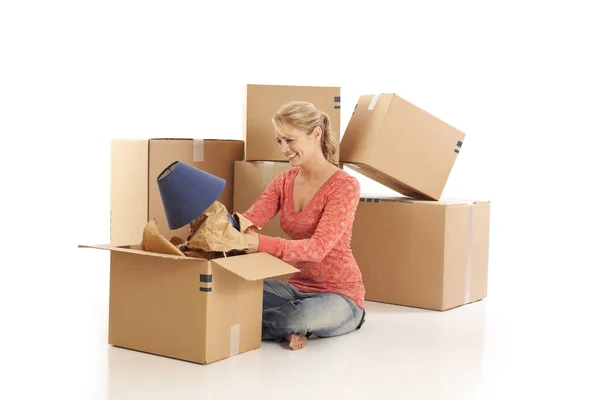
(187, 308)
(400, 146)
(251, 180)
(261, 102)
(135, 165)
(426, 254)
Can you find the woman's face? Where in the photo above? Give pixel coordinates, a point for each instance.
(299, 147)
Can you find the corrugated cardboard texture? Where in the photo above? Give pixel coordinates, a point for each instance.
(156, 305)
(393, 137)
(263, 101)
(251, 180)
(399, 249)
(128, 190)
(415, 253)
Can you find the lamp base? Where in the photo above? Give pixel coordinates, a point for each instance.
(233, 221)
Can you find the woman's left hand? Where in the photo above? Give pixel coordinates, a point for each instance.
(252, 241)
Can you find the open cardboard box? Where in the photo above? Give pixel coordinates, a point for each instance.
(184, 307)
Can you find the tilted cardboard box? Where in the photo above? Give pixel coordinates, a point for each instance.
(187, 308)
(401, 146)
(426, 254)
(261, 102)
(135, 165)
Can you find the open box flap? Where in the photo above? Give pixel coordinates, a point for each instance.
(135, 250)
(255, 266)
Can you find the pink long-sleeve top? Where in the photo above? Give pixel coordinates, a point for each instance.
(320, 234)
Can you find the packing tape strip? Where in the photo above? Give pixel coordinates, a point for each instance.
(373, 102)
(234, 340)
(469, 252)
(198, 150)
(267, 173)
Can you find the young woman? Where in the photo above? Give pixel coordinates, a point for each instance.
(318, 202)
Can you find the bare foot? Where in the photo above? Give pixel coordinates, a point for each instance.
(297, 341)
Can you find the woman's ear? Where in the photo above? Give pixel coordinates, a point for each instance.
(317, 132)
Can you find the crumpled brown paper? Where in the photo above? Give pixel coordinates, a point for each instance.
(215, 232)
(211, 236)
(153, 241)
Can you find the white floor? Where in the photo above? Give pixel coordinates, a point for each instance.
(520, 342)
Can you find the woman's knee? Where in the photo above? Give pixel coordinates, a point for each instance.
(336, 316)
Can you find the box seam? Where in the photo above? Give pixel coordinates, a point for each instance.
(445, 230)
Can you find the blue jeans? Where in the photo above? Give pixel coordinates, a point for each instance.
(286, 310)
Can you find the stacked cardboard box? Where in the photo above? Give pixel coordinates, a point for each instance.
(418, 249)
(421, 253)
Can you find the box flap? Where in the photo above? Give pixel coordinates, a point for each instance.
(253, 267)
(136, 249)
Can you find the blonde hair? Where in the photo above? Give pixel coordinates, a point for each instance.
(306, 117)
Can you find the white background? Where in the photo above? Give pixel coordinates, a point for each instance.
(520, 79)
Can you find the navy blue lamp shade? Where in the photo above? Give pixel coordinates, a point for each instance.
(187, 192)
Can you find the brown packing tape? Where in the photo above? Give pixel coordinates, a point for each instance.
(198, 150)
